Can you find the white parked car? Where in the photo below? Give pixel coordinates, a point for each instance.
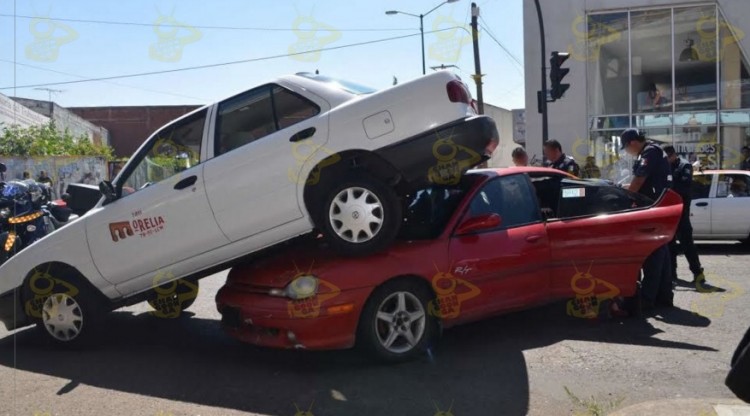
(721, 205)
(303, 152)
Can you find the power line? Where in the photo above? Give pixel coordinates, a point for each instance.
(243, 61)
(260, 29)
(513, 57)
(107, 82)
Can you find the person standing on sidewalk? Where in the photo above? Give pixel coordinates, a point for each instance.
(682, 179)
(652, 176)
(556, 159)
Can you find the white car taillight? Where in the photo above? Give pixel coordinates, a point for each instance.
(457, 92)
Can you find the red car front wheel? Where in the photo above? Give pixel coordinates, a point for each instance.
(395, 324)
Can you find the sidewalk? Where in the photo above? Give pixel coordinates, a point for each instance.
(685, 407)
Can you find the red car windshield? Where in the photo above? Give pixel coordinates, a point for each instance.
(430, 209)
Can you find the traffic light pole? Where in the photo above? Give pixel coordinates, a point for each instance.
(542, 95)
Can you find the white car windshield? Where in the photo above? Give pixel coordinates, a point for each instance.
(350, 87)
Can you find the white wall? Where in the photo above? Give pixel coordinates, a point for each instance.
(504, 120)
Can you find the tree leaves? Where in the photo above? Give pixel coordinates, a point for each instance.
(48, 140)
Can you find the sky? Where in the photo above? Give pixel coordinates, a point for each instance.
(54, 41)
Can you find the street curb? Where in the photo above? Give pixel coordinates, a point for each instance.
(682, 407)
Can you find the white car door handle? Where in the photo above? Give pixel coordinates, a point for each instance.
(302, 135)
(189, 181)
(701, 204)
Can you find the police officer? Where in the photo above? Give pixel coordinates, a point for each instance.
(682, 179)
(652, 176)
(556, 159)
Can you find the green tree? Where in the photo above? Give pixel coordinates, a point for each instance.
(48, 140)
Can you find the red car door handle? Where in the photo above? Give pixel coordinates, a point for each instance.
(647, 229)
(533, 238)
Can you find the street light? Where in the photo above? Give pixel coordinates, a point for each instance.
(421, 25)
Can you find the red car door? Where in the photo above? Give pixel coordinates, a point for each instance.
(507, 262)
(603, 236)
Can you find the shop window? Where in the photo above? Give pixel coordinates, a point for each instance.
(608, 64)
(695, 58)
(651, 45)
(734, 69)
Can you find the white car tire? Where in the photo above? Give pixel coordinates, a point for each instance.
(360, 215)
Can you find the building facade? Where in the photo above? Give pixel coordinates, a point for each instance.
(66, 120)
(678, 70)
(130, 126)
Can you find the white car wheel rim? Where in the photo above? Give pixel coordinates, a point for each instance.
(356, 215)
(62, 317)
(400, 322)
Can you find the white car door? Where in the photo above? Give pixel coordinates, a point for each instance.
(163, 215)
(729, 208)
(700, 207)
(262, 139)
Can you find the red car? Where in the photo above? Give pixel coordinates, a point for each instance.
(501, 240)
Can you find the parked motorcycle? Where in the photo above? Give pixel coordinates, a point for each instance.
(27, 215)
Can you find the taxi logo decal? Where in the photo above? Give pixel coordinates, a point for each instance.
(144, 227)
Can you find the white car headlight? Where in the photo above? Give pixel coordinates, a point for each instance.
(302, 287)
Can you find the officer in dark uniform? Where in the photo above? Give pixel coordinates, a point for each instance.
(556, 159)
(682, 179)
(652, 176)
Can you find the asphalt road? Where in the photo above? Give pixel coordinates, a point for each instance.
(517, 364)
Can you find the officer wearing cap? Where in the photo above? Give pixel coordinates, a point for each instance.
(682, 179)
(556, 159)
(652, 176)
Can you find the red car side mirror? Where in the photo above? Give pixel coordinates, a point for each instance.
(482, 222)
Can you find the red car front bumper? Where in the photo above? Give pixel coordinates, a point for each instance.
(317, 323)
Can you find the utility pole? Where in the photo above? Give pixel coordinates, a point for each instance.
(542, 95)
(49, 92)
(477, 66)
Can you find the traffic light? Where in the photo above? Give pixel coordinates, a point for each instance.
(556, 75)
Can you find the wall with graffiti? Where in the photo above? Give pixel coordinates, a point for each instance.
(63, 170)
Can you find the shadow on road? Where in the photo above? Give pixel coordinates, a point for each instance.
(728, 248)
(478, 368)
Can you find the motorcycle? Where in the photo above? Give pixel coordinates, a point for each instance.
(27, 215)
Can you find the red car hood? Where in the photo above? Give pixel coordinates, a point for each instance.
(277, 269)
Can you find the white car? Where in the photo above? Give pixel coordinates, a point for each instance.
(303, 152)
(720, 205)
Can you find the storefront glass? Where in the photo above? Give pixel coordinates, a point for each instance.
(670, 73)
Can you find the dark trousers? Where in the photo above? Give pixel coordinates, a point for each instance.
(684, 235)
(656, 285)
